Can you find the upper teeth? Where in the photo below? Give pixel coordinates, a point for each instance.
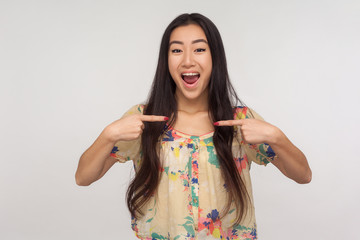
(190, 74)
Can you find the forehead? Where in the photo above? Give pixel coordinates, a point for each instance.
(187, 33)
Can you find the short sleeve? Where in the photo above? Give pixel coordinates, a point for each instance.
(128, 150)
(262, 153)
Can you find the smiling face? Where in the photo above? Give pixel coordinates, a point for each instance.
(190, 62)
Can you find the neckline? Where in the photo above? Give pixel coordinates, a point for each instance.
(186, 135)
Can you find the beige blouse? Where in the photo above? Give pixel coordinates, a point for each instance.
(191, 193)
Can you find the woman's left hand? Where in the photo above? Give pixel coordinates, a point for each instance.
(253, 131)
(291, 161)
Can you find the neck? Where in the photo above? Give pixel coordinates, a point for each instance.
(199, 104)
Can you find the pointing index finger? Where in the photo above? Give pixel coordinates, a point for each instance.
(153, 118)
(228, 123)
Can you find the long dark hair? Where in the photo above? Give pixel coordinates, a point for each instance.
(161, 101)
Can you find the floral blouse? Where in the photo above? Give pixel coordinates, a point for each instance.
(191, 192)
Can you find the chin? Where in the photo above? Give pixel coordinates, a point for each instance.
(192, 95)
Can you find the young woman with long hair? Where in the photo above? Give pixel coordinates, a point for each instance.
(192, 144)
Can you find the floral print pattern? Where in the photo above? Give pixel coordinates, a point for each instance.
(192, 193)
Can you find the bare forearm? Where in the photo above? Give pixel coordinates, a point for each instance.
(95, 161)
(290, 160)
(92, 161)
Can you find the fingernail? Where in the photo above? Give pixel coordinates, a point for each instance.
(166, 118)
(216, 123)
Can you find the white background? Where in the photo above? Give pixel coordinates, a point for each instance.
(69, 68)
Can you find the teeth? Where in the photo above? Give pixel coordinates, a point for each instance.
(190, 74)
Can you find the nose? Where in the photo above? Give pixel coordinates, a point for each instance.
(188, 59)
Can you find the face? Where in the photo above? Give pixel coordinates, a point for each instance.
(190, 62)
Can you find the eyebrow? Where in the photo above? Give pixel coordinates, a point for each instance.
(193, 42)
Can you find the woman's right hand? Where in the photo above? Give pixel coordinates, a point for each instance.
(95, 161)
(130, 127)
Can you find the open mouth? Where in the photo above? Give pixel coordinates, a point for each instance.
(190, 78)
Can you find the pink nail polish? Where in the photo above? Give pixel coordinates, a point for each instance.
(166, 118)
(216, 123)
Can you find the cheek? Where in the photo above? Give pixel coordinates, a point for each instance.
(172, 66)
(206, 63)
(209, 63)
(207, 66)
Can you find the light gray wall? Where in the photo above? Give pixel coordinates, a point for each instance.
(69, 68)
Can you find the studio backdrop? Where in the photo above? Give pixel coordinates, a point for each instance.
(69, 68)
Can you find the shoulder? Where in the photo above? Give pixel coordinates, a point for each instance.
(136, 109)
(242, 112)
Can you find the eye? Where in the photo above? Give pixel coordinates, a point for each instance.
(176, 51)
(200, 50)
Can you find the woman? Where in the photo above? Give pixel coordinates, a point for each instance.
(191, 148)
